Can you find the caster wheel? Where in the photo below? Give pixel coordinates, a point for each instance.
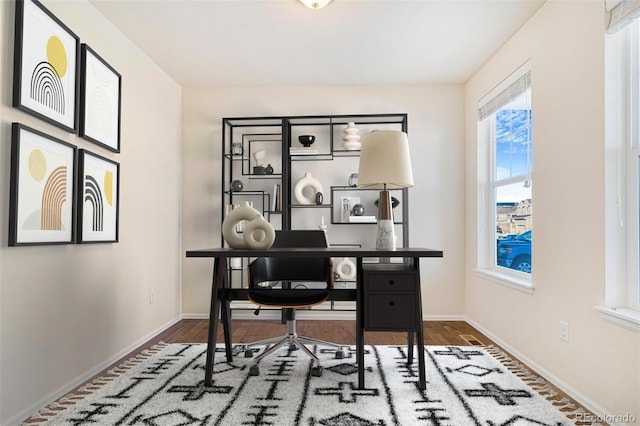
(316, 371)
(254, 370)
(248, 353)
(339, 354)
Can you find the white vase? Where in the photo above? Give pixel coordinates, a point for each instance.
(259, 233)
(351, 137)
(301, 184)
(346, 269)
(231, 221)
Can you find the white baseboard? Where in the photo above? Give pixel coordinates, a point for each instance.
(551, 378)
(63, 390)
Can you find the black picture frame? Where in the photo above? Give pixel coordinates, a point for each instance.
(42, 188)
(98, 203)
(100, 100)
(45, 68)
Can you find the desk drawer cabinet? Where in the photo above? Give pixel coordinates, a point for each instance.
(390, 298)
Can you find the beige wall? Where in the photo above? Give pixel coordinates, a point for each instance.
(66, 310)
(600, 364)
(436, 143)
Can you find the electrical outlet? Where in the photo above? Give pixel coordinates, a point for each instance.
(564, 331)
(152, 296)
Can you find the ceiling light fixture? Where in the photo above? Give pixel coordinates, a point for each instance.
(315, 4)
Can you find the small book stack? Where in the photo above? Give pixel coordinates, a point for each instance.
(276, 202)
(362, 219)
(303, 150)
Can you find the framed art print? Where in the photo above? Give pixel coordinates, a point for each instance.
(41, 195)
(100, 89)
(45, 65)
(98, 194)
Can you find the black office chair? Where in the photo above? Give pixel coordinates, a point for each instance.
(288, 275)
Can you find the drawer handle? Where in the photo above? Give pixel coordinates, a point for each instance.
(392, 303)
(391, 282)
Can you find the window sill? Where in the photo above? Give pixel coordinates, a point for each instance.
(507, 280)
(625, 317)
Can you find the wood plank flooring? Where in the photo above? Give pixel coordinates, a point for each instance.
(244, 331)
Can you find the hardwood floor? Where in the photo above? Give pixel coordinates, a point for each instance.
(244, 331)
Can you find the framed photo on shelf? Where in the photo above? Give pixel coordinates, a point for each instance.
(45, 65)
(98, 198)
(41, 195)
(100, 91)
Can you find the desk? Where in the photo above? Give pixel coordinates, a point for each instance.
(221, 294)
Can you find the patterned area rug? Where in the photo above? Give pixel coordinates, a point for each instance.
(466, 385)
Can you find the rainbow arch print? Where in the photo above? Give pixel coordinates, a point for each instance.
(93, 195)
(46, 66)
(42, 184)
(54, 196)
(47, 88)
(98, 198)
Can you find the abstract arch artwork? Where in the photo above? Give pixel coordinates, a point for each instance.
(93, 196)
(54, 196)
(41, 199)
(98, 179)
(100, 87)
(45, 65)
(46, 87)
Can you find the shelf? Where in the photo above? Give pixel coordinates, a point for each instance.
(271, 176)
(326, 159)
(311, 206)
(237, 157)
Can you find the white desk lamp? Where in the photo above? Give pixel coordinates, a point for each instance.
(385, 164)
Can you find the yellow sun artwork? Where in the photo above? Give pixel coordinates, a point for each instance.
(108, 187)
(37, 165)
(57, 55)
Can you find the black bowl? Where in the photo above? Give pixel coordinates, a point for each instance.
(306, 140)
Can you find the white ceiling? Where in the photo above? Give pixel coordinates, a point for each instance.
(350, 42)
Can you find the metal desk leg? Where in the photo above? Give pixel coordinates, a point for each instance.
(226, 319)
(410, 336)
(420, 327)
(219, 276)
(360, 322)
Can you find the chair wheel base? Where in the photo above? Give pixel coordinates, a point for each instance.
(316, 371)
(254, 370)
(339, 354)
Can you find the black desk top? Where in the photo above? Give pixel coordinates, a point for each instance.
(316, 252)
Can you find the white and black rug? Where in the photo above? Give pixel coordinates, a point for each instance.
(466, 385)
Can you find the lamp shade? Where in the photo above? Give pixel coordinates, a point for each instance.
(385, 161)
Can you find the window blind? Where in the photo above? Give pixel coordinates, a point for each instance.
(621, 13)
(504, 93)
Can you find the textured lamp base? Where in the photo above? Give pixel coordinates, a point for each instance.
(386, 237)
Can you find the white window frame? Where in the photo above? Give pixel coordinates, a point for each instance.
(487, 184)
(622, 174)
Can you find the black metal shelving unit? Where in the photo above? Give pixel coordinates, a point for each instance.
(280, 133)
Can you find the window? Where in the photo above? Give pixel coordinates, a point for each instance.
(623, 173)
(505, 204)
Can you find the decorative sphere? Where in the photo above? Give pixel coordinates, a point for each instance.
(237, 185)
(394, 202)
(306, 140)
(357, 210)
